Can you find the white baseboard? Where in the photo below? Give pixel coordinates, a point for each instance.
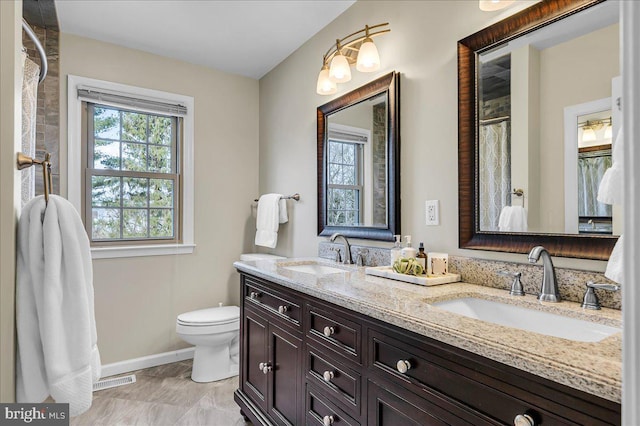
(134, 364)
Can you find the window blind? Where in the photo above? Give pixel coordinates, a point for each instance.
(124, 100)
(338, 135)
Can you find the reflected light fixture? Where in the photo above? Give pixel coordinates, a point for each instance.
(493, 5)
(355, 49)
(590, 127)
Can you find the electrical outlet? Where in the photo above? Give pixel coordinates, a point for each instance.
(432, 209)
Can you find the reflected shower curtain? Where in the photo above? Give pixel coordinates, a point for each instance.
(590, 172)
(495, 173)
(31, 73)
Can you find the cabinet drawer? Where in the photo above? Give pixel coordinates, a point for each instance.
(335, 331)
(418, 370)
(282, 305)
(319, 411)
(334, 377)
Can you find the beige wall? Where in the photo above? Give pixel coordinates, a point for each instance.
(422, 47)
(571, 73)
(10, 137)
(137, 299)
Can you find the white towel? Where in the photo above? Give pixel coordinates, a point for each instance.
(57, 343)
(611, 185)
(283, 216)
(611, 191)
(513, 219)
(268, 218)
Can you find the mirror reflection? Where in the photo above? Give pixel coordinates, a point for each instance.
(539, 97)
(357, 164)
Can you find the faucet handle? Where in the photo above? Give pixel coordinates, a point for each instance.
(590, 299)
(338, 256)
(360, 256)
(516, 285)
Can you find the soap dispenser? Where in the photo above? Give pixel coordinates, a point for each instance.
(408, 252)
(396, 250)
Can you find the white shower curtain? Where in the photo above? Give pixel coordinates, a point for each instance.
(590, 172)
(495, 173)
(31, 73)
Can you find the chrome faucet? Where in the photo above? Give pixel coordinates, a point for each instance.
(347, 247)
(549, 289)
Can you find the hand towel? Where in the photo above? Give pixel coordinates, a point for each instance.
(283, 216)
(57, 342)
(611, 191)
(513, 219)
(611, 185)
(267, 220)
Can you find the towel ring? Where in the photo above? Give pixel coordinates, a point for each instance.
(24, 162)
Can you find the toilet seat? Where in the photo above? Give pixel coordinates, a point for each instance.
(210, 317)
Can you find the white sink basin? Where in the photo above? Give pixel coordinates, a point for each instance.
(528, 319)
(314, 268)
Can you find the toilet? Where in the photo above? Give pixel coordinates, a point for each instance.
(214, 332)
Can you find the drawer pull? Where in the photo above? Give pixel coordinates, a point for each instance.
(254, 295)
(329, 331)
(327, 420)
(523, 420)
(327, 376)
(265, 367)
(283, 308)
(403, 366)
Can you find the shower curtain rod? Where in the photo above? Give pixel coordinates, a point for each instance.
(494, 120)
(44, 66)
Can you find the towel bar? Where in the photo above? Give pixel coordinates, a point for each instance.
(295, 197)
(24, 162)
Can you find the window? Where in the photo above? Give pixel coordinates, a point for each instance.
(132, 175)
(130, 167)
(344, 188)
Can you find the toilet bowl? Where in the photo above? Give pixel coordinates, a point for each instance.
(214, 333)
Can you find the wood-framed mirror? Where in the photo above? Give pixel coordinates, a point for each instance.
(494, 50)
(359, 162)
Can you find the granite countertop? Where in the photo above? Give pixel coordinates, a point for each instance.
(595, 368)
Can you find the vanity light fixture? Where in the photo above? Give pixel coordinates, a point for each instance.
(608, 132)
(356, 48)
(493, 5)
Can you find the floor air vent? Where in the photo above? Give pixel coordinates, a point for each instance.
(114, 382)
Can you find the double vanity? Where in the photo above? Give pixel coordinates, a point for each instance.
(324, 343)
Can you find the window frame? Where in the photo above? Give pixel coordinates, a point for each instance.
(359, 186)
(77, 149)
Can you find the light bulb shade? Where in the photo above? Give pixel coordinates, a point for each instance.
(325, 85)
(588, 135)
(368, 58)
(608, 132)
(340, 71)
(493, 5)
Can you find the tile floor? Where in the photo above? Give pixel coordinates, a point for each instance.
(165, 395)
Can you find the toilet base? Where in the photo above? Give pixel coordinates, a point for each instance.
(211, 363)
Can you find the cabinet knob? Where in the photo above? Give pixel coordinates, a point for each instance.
(403, 366)
(523, 420)
(283, 308)
(327, 376)
(254, 295)
(265, 367)
(327, 420)
(328, 331)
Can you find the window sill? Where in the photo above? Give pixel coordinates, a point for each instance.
(143, 250)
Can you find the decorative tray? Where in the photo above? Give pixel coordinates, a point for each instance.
(387, 272)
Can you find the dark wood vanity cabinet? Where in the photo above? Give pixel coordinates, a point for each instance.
(314, 363)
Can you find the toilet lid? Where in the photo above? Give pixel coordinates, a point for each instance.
(210, 316)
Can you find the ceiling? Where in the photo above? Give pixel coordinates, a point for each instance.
(242, 37)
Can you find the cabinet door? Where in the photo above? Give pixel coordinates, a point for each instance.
(255, 343)
(286, 396)
(390, 405)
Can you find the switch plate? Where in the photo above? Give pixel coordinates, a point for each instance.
(432, 209)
